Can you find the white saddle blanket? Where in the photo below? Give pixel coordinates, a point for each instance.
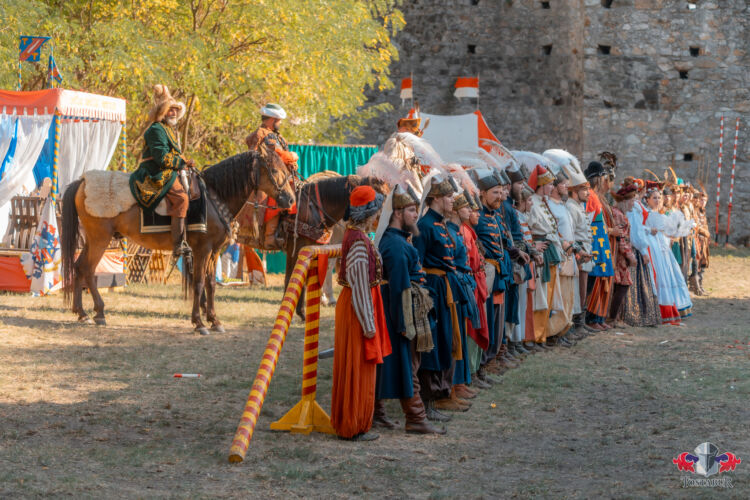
(108, 194)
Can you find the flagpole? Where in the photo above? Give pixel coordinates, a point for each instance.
(50, 80)
(19, 62)
(478, 90)
(411, 77)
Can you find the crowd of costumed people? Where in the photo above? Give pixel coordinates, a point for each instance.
(466, 269)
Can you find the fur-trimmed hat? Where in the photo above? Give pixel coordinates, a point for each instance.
(403, 198)
(442, 187)
(163, 102)
(461, 201)
(628, 189)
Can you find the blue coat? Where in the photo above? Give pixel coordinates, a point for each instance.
(401, 266)
(436, 250)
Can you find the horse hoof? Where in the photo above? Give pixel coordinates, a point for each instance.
(100, 322)
(203, 330)
(85, 320)
(218, 329)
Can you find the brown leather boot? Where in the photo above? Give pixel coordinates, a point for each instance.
(462, 391)
(449, 404)
(458, 400)
(380, 418)
(416, 417)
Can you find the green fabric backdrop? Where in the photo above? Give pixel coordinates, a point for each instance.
(313, 159)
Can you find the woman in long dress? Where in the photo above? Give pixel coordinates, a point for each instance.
(641, 306)
(671, 289)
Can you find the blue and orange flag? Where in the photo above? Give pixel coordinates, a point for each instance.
(52, 72)
(29, 47)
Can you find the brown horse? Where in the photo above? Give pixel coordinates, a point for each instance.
(228, 184)
(325, 208)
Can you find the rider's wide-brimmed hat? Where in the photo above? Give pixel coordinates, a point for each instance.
(163, 102)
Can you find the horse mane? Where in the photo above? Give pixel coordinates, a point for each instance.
(334, 190)
(231, 178)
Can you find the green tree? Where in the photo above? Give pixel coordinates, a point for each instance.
(223, 58)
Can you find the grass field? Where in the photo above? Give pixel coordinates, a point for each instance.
(94, 411)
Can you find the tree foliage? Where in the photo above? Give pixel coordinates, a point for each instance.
(223, 58)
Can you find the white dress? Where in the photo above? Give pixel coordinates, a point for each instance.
(671, 289)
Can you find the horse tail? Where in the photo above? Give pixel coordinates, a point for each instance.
(69, 238)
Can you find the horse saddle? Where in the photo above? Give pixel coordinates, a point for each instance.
(156, 221)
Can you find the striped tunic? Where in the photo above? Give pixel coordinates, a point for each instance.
(358, 277)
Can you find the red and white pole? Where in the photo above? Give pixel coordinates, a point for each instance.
(718, 180)
(731, 180)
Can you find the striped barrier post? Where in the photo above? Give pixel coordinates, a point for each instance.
(307, 415)
(271, 354)
(718, 179)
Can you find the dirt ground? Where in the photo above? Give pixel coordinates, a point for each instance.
(95, 412)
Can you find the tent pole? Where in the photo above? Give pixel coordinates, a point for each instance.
(124, 168)
(55, 154)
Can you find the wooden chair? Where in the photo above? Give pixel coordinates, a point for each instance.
(25, 212)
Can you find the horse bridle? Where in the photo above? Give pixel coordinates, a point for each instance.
(278, 187)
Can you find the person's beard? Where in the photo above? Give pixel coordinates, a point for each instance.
(172, 122)
(411, 229)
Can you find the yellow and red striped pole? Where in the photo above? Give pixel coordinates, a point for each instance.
(306, 415)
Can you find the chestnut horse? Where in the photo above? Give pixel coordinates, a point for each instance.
(228, 185)
(330, 205)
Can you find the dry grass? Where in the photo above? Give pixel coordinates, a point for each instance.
(94, 412)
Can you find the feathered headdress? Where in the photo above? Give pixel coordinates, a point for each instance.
(462, 178)
(609, 160)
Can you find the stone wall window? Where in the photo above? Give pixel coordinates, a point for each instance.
(607, 4)
(691, 5)
(547, 49)
(604, 49)
(683, 74)
(471, 48)
(687, 156)
(545, 5)
(695, 51)
(474, 2)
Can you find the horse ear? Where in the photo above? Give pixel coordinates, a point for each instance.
(263, 150)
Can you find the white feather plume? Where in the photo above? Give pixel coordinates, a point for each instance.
(462, 178)
(381, 167)
(424, 151)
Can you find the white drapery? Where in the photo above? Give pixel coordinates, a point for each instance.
(85, 145)
(32, 133)
(7, 122)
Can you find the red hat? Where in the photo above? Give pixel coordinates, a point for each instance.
(540, 176)
(361, 195)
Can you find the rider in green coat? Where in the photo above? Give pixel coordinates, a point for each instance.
(157, 175)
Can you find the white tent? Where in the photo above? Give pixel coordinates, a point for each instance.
(456, 135)
(80, 130)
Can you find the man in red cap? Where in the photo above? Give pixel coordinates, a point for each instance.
(361, 335)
